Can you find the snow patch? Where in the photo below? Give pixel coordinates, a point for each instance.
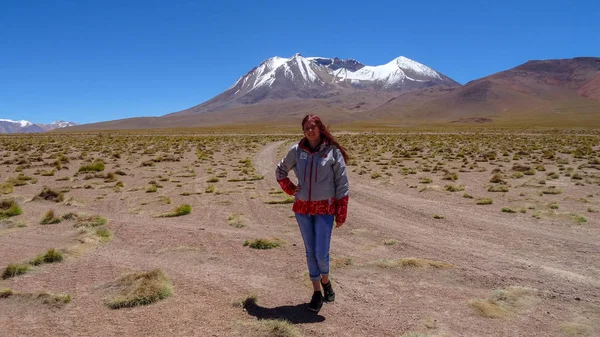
(22, 123)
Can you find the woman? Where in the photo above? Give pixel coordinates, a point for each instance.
(319, 163)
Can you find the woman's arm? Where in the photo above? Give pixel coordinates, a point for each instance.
(342, 188)
(281, 173)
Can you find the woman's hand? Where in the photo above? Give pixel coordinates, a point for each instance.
(338, 224)
(297, 189)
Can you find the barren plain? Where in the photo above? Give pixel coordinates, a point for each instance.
(479, 233)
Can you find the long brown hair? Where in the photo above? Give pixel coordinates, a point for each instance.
(324, 132)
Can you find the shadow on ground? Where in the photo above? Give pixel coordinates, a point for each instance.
(294, 314)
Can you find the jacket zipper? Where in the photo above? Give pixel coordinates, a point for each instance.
(305, 163)
(310, 178)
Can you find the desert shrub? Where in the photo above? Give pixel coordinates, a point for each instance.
(552, 190)
(235, 221)
(263, 243)
(498, 188)
(497, 178)
(50, 256)
(454, 188)
(8, 208)
(578, 219)
(508, 210)
(83, 220)
(269, 327)
(103, 233)
(212, 180)
(50, 194)
(49, 218)
(13, 270)
(502, 302)
(5, 292)
(139, 289)
(484, 201)
(6, 188)
(96, 166)
(450, 176)
(177, 211)
(521, 168)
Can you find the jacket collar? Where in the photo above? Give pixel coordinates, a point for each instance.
(304, 145)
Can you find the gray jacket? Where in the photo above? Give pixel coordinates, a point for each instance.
(321, 174)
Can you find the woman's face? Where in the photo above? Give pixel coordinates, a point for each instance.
(311, 131)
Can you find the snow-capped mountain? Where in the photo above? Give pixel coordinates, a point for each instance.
(23, 126)
(302, 77)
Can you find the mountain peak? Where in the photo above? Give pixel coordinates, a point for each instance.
(22, 123)
(23, 126)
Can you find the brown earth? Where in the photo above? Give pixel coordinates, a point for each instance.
(557, 260)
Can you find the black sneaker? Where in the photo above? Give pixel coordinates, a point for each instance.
(316, 302)
(329, 294)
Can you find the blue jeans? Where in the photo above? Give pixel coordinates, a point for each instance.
(316, 233)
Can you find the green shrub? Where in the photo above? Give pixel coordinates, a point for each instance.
(177, 211)
(498, 188)
(484, 201)
(262, 243)
(96, 166)
(49, 218)
(13, 270)
(8, 208)
(454, 188)
(51, 256)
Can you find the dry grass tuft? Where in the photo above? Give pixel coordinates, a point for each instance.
(83, 220)
(139, 289)
(177, 211)
(8, 208)
(488, 308)
(269, 327)
(13, 270)
(576, 329)
(263, 243)
(287, 200)
(503, 302)
(235, 220)
(55, 300)
(413, 263)
(49, 218)
(50, 194)
(340, 262)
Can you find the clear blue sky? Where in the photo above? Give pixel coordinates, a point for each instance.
(92, 60)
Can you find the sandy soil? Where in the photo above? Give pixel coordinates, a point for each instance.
(557, 260)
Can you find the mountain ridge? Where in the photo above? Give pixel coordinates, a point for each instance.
(538, 92)
(24, 126)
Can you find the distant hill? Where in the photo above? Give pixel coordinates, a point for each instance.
(23, 126)
(533, 91)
